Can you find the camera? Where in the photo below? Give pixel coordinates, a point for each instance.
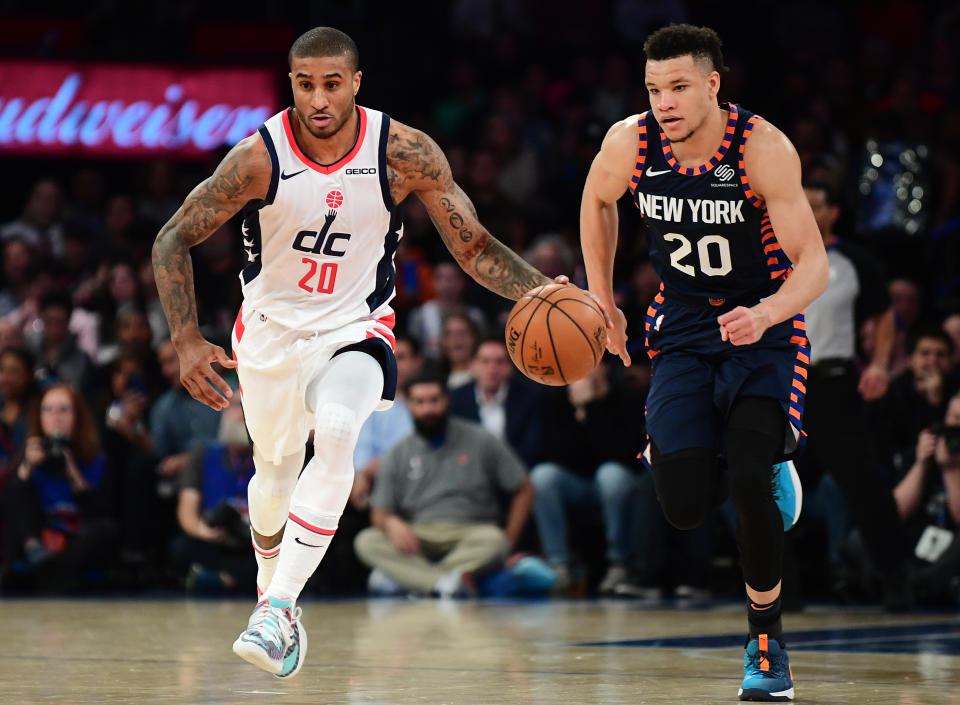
(949, 434)
(53, 446)
(54, 463)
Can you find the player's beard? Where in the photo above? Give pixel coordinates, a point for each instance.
(335, 126)
(431, 426)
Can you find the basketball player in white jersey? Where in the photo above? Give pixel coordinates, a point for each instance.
(320, 185)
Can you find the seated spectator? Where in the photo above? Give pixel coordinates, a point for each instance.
(501, 400)
(916, 399)
(928, 499)
(434, 504)
(384, 429)
(178, 422)
(19, 268)
(426, 322)
(589, 461)
(458, 346)
(41, 223)
(55, 347)
(132, 330)
(212, 554)
(56, 504)
(17, 393)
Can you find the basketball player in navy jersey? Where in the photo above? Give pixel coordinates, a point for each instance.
(739, 254)
(320, 186)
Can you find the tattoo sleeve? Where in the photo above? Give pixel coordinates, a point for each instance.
(418, 165)
(207, 207)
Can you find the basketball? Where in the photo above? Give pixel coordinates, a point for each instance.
(556, 334)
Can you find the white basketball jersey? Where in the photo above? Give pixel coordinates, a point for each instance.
(320, 246)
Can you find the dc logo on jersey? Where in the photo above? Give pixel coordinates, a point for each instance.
(334, 199)
(724, 172)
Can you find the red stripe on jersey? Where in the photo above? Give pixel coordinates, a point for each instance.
(328, 168)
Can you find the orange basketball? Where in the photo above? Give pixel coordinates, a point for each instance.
(556, 334)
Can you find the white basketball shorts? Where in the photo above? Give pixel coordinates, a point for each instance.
(275, 364)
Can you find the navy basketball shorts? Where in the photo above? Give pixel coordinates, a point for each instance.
(697, 377)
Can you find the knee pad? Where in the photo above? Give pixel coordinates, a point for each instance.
(686, 484)
(270, 490)
(335, 434)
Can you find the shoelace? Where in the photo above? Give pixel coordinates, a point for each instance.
(273, 624)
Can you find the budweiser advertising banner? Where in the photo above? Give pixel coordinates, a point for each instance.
(76, 109)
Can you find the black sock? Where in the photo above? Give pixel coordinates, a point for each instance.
(765, 619)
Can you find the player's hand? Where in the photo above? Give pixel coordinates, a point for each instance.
(742, 325)
(197, 375)
(616, 332)
(873, 383)
(402, 536)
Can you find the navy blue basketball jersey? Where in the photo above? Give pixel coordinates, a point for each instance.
(710, 235)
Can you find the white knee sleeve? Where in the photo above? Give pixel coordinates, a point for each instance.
(270, 490)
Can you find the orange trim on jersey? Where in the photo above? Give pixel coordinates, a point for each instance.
(730, 130)
(316, 166)
(794, 398)
(799, 386)
(754, 199)
(802, 371)
(641, 154)
(794, 413)
(800, 325)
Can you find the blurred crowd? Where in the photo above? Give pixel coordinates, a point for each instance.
(112, 477)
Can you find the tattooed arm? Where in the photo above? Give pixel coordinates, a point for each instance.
(243, 175)
(416, 165)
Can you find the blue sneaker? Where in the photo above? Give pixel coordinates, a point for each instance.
(766, 672)
(788, 492)
(274, 639)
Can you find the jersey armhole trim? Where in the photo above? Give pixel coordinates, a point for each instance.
(754, 199)
(641, 153)
(382, 162)
(274, 165)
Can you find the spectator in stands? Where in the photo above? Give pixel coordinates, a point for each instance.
(905, 298)
(504, 402)
(179, 423)
(589, 461)
(426, 322)
(56, 506)
(928, 499)
(212, 553)
(434, 506)
(917, 399)
(18, 392)
(384, 429)
(132, 332)
(834, 416)
(458, 346)
(552, 252)
(19, 267)
(41, 223)
(59, 359)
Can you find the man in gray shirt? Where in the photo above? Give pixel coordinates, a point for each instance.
(435, 505)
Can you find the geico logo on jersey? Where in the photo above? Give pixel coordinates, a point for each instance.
(362, 170)
(698, 210)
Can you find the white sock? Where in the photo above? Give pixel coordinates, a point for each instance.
(267, 560)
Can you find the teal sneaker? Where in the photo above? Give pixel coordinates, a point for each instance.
(274, 639)
(766, 672)
(788, 492)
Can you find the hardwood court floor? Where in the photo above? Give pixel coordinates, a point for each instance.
(469, 653)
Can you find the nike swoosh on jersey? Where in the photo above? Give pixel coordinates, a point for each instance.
(297, 539)
(651, 172)
(290, 176)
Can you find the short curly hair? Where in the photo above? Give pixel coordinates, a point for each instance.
(682, 39)
(325, 41)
